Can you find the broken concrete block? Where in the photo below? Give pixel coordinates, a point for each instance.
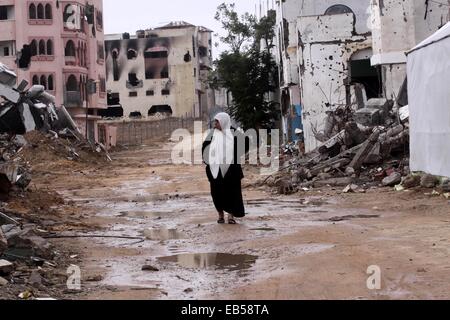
(381, 104)
(3, 282)
(28, 240)
(24, 180)
(19, 141)
(336, 182)
(445, 186)
(368, 117)
(3, 242)
(411, 181)
(429, 181)
(6, 267)
(35, 279)
(392, 180)
(351, 188)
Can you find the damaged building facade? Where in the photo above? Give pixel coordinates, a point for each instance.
(338, 54)
(159, 72)
(59, 45)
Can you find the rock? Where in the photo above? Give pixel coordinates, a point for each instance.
(149, 268)
(351, 188)
(3, 242)
(19, 141)
(6, 267)
(27, 239)
(429, 181)
(96, 278)
(411, 181)
(35, 279)
(392, 180)
(24, 180)
(3, 282)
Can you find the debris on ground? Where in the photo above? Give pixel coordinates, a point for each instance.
(359, 149)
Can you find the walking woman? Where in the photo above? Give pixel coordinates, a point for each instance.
(223, 170)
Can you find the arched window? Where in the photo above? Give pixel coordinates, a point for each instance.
(49, 47)
(35, 80)
(42, 48)
(32, 11)
(44, 82)
(51, 85)
(48, 11)
(40, 11)
(67, 13)
(70, 49)
(338, 9)
(72, 84)
(33, 47)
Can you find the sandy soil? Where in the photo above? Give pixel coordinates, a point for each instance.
(311, 245)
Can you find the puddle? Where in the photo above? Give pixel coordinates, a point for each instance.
(163, 234)
(221, 261)
(350, 217)
(263, 229)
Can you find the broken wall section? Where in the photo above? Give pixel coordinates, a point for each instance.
(325, 48)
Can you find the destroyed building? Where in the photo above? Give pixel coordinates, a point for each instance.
(334, 55)
(59, 45)
(159, 72)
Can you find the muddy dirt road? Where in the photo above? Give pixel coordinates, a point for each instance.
(314, 245)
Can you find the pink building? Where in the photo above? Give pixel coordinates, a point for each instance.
(66, 42)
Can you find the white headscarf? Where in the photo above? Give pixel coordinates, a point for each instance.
(221, 152)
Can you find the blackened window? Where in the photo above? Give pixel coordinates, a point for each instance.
(3, 13)
(150, 93)
(165, 92)
(133, 94)
(6, 51)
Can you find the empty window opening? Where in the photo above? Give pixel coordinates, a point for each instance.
(6, 51)
(361, 71)
(44, 82)
(133, 80)
(150, 93)
(42, 48)
(49, 47)
(133, 94)
(48, 11)
(40, 11)
(113, 99)
(70, 49)
(131, 54)
(35, 80)
(160, 109)
(338, 9)
(112, 112)
(135, 114)
(165, 92)
(72, 84)
(4, 13)
(202, 51)
(33, 48)
(32, 11)
(156, 63)
(187, 57)
(50, 84)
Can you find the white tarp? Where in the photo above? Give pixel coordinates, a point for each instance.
(429, 104)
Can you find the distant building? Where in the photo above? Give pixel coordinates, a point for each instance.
(161, 71)
(59, 45)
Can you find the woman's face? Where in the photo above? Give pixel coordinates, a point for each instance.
(217, 125)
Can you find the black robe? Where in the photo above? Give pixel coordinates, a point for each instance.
(227, 191)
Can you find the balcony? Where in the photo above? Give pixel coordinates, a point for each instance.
(135, 85)
(72, 99)
(71, 60)
(8, 30)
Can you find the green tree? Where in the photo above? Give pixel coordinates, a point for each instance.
(248, 69)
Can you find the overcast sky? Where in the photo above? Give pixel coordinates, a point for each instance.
(131, 15)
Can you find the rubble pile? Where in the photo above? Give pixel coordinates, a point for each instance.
(33, 133)
(359, 149)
